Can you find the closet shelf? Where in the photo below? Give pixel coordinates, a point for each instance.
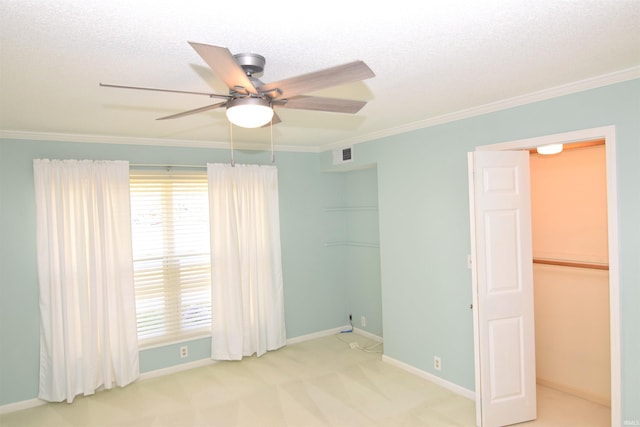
(352, 243)
(576, 264)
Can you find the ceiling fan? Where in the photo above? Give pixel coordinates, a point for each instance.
(250, 102)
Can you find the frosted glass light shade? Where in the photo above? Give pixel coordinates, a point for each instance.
(549, 149)
(249, 112)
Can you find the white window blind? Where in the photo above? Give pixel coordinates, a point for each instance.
(172, 273)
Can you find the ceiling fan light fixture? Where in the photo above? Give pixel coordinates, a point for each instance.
(549, 149)
(249, 112)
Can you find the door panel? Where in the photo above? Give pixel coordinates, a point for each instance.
(501, 253)
(503, 287)
(506, 335)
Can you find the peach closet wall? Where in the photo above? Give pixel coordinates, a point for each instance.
(569, 221)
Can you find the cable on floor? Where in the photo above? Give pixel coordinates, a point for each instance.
(356, 345)
(346, 331)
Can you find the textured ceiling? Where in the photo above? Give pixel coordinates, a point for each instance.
(434, 61)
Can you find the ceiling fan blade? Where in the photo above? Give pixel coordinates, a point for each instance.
(346, 73)
(194, 111)
(316, 103)
(222, 62)
(211, 95)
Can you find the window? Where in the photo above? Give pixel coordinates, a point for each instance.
(171, 254)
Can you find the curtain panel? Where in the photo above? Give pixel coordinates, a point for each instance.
(246, 267)
(88, 333)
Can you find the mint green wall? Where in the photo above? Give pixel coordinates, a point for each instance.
(362, 264)
(424, 226)
(424, 234)
(357, 268)
(166, 356)
(313, 292)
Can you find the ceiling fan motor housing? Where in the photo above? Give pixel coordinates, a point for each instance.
(251, 63)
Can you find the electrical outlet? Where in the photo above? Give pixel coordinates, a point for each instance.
(363, 321)
(437, 363)
(184, 352)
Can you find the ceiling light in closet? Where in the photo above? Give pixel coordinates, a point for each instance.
(549, 149)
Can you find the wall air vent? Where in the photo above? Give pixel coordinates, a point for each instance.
(343, 155)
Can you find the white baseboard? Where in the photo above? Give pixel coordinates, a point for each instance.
(205, 362)
(464, 392)
(26, 404)
(321, 334)
(176, 368)
(333, 331)
(367, 334)
(19, 406)
(32, 403)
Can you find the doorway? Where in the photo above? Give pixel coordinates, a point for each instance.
(570, 271)
(608, 135)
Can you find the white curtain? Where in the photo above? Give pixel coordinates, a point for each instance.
(88, 335)
(246, 270)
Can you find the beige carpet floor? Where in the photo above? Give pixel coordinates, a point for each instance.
(321, 382)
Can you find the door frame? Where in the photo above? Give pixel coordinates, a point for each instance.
(608, 134)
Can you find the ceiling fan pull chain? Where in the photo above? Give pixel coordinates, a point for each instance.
(233, 161)
(273, 156)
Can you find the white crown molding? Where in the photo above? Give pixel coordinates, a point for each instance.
(567, 89)
(554, 92)
(126, 140)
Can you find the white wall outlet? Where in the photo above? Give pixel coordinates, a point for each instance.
(363, 321)
(437, 363)
(184, 351)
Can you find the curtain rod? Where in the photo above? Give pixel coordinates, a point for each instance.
(160, 165)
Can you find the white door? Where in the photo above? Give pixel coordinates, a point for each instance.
(503, 287)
